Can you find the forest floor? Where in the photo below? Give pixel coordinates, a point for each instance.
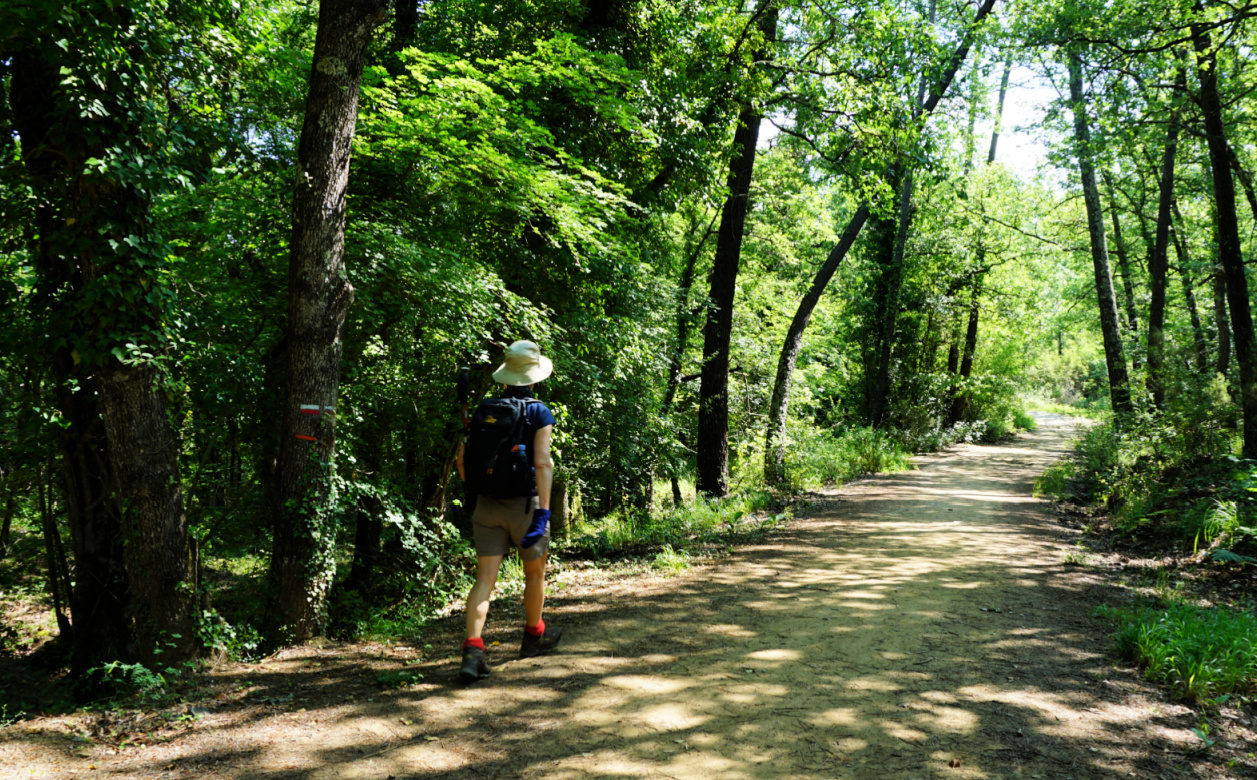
(918, 625)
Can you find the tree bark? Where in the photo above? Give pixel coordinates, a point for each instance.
(1114, 356)
(136, 601)
(1158, 267)
(319, 295)
(713, 409)
(144, 457)
(1229, 248)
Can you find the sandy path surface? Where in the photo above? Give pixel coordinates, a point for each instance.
(919, 625)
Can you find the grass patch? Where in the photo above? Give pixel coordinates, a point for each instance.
(701, 525)
(1056, 407)
(1200, 652)
(824, 458)
(1054, 482)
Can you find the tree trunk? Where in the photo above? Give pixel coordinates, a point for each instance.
(1114, 356)
(10, 506)
(1181, 250)
(775, 445)
(999, 109)
(1229, 249)
(319, 295)
(54, 559)
(893, 275)
(119, 456)
(960, 400)
(1220, 321)
(1123, 267)
(683, 321)
(1158, 267)
(144, 457)
(1246, 181)
(713, 409)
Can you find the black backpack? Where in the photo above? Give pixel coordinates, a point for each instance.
(497, 461)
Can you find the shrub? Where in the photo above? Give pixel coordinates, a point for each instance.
(1199, 652)
(828, 458)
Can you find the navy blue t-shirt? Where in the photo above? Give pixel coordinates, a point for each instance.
(538, 415)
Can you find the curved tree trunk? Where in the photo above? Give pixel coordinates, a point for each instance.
(1114, 355)
(774, 449)
(319, 295)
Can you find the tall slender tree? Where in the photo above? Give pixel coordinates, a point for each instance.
(713, 410)
(1114, 355)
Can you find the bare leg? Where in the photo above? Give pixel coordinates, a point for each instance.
(478, 599)
(534, 590)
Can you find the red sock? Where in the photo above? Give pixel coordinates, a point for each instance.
(474, 642)
(536, 630)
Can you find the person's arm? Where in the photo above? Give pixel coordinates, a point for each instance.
(543, 466)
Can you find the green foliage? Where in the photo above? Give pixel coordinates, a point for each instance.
(1054, 483)
(137, 680)
(819, 458)
(670, 560)
(240, 642)
(1200, 652)
(702, 524)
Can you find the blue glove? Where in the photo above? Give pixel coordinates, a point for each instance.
(537, 529)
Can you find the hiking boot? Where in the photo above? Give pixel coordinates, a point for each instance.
(474, 665)
(536, 645)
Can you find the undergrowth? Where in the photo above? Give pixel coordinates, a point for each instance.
(1201, 653)
(701, 525)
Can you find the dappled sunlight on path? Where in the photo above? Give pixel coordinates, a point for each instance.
(917, 625)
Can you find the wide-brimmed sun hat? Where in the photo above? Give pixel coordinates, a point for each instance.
(523, 364)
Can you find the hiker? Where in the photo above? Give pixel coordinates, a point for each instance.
(505, 463)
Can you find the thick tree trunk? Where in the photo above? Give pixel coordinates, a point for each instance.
(144, 456)
(1229, 249)
(774, 449)
(132, 602)
(319, 295)
(1158, 267)
(1114, 356)
(713, 409)
(684, 318)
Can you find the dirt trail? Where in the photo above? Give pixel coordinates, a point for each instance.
(920, 625)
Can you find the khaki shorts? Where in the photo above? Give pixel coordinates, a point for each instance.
(498, 524)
